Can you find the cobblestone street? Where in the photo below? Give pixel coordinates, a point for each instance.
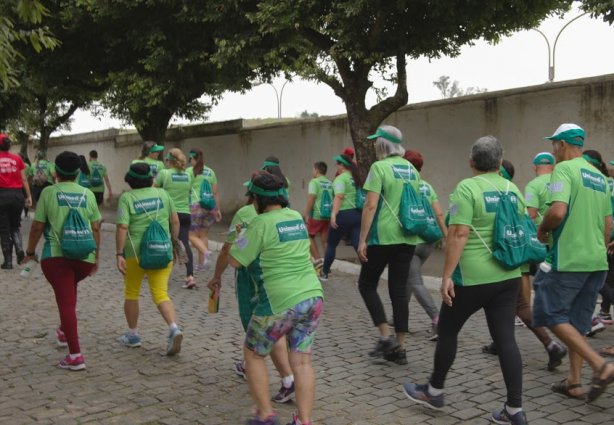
(141, 385)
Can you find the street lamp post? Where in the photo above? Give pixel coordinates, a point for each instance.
(278, 97)
(552, 53)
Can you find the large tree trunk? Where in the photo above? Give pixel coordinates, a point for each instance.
(43, 142)
(23, 138)
(152, 124)
(363, 121)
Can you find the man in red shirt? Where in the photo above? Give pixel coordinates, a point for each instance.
(13, 181)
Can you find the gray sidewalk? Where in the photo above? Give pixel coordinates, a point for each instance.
(142, 386)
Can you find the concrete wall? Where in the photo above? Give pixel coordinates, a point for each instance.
(443, 131)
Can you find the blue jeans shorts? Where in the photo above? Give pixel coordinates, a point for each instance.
(566, 297)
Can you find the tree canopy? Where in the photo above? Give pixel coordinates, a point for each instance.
(345, 43)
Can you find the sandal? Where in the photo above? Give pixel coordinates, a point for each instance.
(607, 351)
(599, 384)
(563, 388)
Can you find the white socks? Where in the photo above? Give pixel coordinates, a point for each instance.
(512, 410)
(287, 381)
(434, 391)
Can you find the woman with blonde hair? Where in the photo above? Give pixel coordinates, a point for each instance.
(178, 183)
(204, 206)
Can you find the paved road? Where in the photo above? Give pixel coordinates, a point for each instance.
(142, 386)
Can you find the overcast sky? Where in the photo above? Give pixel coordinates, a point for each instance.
(517, 61)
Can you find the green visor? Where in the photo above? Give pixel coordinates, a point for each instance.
(381, 133)
(251, 187)
(156, 148)
(342, 160)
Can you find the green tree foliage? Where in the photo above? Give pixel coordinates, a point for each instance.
(449, 88)
(20, 24)
(346, 43)
(160, 62)
(54, 84)
(598, 8)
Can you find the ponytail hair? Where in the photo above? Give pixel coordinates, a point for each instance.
(269, 166)
(197, 155)
(595, 158)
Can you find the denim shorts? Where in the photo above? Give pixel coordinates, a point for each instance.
(566, 297)
(298, 323)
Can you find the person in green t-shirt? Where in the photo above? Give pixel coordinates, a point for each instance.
(151, 154)
(42, 173)
(579, 219)
(202, 218)
(383, 242)
(556, 352)
(178, 183)
(473, 280)
(98, 178)
(289, 294)
(137, 209)
(54, 206)
(318, 210)
(345, 215)
(247, 281)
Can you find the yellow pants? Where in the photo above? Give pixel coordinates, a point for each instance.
(158, 281)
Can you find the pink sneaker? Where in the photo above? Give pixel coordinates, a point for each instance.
(60, 338)
(77, 363)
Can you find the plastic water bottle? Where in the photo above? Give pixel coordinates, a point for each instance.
(545, 267)
(28, 268)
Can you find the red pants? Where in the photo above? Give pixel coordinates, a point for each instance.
(63, 275)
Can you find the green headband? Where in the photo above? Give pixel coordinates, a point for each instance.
(270, 164)
(259, 191)
(381, 133)
(342, 160)
(593, 161)
(192, 154)
(140, 176)
(505, 174)
(170, 157)
(66, 173)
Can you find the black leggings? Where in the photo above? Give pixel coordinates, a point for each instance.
(607, 291)
(499, 303)
(397, 258)
(11, 206)
(184, 237)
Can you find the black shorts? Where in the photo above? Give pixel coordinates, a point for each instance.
(99, 197)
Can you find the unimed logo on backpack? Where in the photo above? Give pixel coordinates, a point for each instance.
(514, 236)
(491, 200)
(593, 180)
(293, 230)
(71, 199)
(147, 205)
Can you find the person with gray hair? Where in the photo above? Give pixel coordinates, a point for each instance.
(473, 280)
(383, 242)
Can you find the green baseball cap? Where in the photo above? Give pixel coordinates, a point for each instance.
(544, 158)
(381, 133)
(156, 148)
(569, 133)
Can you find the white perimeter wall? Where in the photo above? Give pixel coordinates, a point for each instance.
(442, 131)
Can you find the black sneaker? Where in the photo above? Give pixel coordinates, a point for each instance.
(398, 356)
(490, 349)
(384, 346)
(555, 356)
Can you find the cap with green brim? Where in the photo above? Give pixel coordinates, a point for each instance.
(569, 133)
(252, 188)
(342, 160)
(544, 158)
(384, 135)
(156, 148)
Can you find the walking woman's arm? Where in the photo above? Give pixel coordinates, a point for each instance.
(120, 243)
(368, 212)
(337, 201)
(96, 234)
(26, 186)
(455, 244)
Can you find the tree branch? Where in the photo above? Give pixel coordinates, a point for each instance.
(64, 117)
(382, 110)
(318, 39)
